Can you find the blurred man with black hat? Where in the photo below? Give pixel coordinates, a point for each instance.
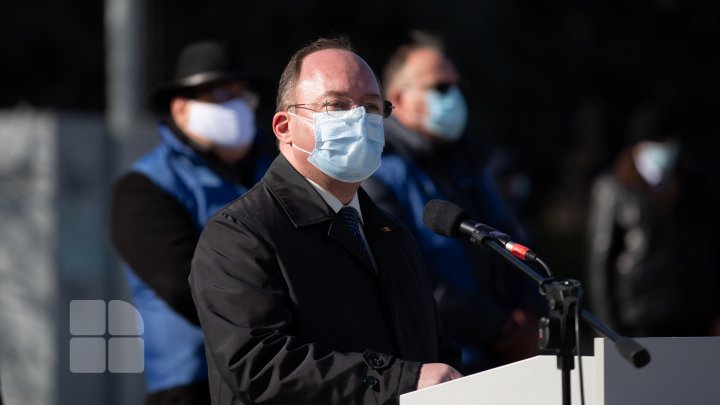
(209, 154)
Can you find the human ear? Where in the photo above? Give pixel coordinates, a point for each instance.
(179, 107)
(395, 96)
(281, 127)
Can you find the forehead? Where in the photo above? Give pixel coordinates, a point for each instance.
(335, 71)
(427, 65)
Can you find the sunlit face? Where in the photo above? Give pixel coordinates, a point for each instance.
(425, 69)
(330, 73)
(216, 93)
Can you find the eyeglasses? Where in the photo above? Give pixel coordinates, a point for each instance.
(220, 93)
(337, 105)
(441, 87)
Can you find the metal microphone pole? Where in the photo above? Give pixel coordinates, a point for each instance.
(556, 332)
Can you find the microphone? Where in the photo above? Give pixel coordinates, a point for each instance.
(447, 219)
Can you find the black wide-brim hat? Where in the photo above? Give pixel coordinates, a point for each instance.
(203, 64)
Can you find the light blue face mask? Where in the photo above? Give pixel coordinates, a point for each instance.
(447, 113)
(656, 160)
(348, 144)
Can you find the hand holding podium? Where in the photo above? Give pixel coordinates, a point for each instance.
(436, 373)
(684, 370)
(564, 297)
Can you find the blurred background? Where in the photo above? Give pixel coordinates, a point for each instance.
(552, 86)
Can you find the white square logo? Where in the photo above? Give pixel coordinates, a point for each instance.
(91, 352)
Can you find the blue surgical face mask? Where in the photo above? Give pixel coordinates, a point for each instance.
(447, 113)
(656, 160)
(348, 144)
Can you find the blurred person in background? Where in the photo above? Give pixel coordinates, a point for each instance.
(652, 236)
(489, 308)
(210, 153)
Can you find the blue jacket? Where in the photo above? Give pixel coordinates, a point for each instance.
(174, 349)
(475, 290)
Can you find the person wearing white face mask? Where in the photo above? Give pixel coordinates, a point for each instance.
(210, 153)
(652, 234)
(489, 309)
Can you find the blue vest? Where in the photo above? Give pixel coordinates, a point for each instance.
(174, 348)
(446, 258)
(413, 188)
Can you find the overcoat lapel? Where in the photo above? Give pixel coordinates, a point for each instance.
(305, 207)
(341, 234)
(382, 236)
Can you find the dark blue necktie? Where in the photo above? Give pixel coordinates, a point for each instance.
(352, 221)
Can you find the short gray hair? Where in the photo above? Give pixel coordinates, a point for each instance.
(418, 40)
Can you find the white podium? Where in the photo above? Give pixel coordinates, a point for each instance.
(681, 371)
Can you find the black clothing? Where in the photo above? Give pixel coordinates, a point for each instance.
(156, 235)
(293, 311)
(190, 394)
(158, 210)
(652, 266)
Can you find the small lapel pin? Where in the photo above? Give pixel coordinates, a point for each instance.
(386, 229)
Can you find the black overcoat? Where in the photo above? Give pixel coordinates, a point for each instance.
(292, 310)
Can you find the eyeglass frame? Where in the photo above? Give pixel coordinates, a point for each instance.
(442, 87)
(219, 93)
(386, 112)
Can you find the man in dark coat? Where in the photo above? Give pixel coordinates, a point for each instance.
(298, 303)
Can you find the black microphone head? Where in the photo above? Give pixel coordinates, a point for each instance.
(444, 217)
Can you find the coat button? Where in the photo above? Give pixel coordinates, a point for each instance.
(370, 381)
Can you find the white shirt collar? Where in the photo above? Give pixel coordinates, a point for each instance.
(334, 202)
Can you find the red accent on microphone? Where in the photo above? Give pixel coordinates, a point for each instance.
(518, 250)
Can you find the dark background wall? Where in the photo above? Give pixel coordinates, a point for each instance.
(554, 81)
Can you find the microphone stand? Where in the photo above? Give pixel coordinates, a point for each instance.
(557, 333)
